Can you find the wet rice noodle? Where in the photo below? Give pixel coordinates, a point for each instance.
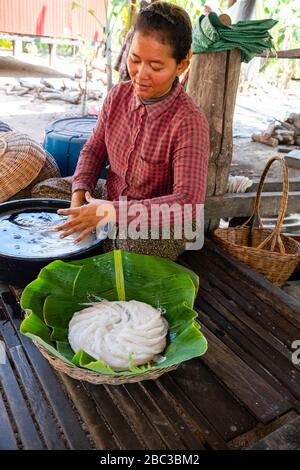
(118, 332)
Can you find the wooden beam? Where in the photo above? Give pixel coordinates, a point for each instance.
(274, 184)
(43, 39)
(291, 54)
(213, 83)
(264, 289)
(17, 47)
(285, 438)
(240, 205)
(11, 67)
(249, 438)
(52, 54)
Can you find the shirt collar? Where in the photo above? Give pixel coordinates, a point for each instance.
(156, 109)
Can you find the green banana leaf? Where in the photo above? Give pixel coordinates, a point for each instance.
(62, 289)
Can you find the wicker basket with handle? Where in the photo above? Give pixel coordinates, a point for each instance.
(266, 251)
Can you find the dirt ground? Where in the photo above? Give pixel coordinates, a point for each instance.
(33, 117)
(254, 110)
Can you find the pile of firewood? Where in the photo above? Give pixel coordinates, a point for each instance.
(281, 132)
(67, 90)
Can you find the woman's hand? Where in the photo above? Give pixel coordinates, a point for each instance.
(85, 218)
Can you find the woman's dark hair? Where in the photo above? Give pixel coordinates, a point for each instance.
(172, 25)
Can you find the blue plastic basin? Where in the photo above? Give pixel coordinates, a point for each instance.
(64, 140)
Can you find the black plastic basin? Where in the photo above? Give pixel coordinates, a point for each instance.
(19, 271)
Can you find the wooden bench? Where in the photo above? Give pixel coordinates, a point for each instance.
(244, 392)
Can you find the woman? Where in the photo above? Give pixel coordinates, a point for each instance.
(154, 136)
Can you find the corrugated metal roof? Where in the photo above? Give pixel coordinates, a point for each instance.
(54, 18)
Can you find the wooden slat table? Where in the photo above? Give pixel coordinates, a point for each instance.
(41, 412)
(243, 391)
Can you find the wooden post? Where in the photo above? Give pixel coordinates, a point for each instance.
(213, 83)
(17, 47)
(52, 54)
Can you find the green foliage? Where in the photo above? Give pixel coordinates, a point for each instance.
(5, 44)
(193, 7)
(286, 33)
(75, 5)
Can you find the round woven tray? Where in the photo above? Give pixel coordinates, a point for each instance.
(96, 378)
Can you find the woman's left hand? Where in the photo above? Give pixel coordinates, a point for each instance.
(85, 218)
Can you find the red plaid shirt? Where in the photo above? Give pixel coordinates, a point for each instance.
(157, 153)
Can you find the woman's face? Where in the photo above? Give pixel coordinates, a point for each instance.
(151, 65)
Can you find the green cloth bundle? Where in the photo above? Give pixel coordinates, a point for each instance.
(251, 37)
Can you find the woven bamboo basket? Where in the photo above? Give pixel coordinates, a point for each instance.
(95, 377)
(266, 251)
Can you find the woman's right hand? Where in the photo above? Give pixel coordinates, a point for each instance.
(85, 219)
(77, 200)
